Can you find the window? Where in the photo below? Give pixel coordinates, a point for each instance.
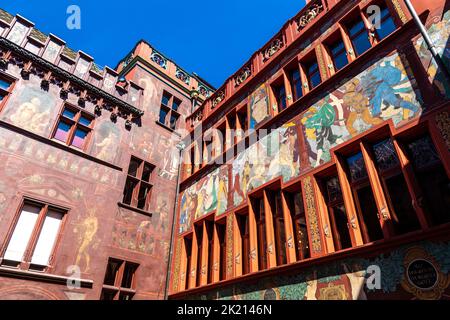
(260, 216)
(244, 235)
(337, 214)
(432, 178)
(119, 282)
(387, 23)
(35, 234)
(338, 54)
(359, 36)
(221, 234)
(199, 233)
(279, 91)
(403, 215)
(5, 88)
(296, 83)
(169, 112)
(138, 186)
(365, 201)
(297, 210)
(210, 234)
(188, 246)
(276, 207)
(312, 72)
(74, 127)
(242, 120)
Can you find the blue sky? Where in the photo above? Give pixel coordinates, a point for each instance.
(212, 38)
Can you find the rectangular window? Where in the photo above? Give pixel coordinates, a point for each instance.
(338, 54)
(188, 246)
(169, 113)
(138, 187)
(312, 72)
(359, 36)
(260, 216)
(199, 233)
(74, 127)
(403, 215)
(220, 228)
(35, 235)
(432, 178)
(279, 91)
(244, 235)
(276, 207)
(298, 217)
(210, 234)
(365, 201)
(296, 84)
(387, 25)
(119, 282)
(5, 88)
(337, 214)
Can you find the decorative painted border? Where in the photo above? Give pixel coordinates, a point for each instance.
(312, 215)
(176, 272)
(443, 124)
(230, 246)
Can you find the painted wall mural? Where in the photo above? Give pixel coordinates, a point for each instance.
(386, 90)
(106, 144)
(277, 154)
(440, 36)
(30, 109)
(419, 271)
(259, 106)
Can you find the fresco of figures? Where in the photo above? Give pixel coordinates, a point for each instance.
(30, 109)
(440, 36)
(273, 156)
(382, 92)
(259, 106)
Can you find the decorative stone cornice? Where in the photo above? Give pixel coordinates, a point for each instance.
(67, 76)
(242, 76)
(273, 48)
(310, 14)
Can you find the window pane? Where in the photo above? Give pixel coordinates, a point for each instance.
(422, 153)
(108, 295)
(173, 121)
(79, 138)
(4, 84)
(369, 214)
(165, 99)
(342, 238)
(339, 55)
(128, 192)
(69, 113)
(387, 27)
(146, 175)
(143, 196)
(162, 116)
(361, 43)
(134, 167)
(296, 84)
(62, 132)
(312, 70)
(357, 167)
(47, 238)
(22, 233)
(111, 272)
(176, 104)
(128, 274)
(85, 121)
(334, 189)
(385, 155)
(356, 27)
(315, 80)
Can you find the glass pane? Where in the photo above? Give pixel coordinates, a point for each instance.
(173, 121)
(357, 167)
(369, 213)
(143, 196)
(165, 100)
(422, 153)
(162, 116)
(22, 233)
(126, 296)
(356, 27)
(315, 80)
(111, 272)
(385, 155)
(79, 138)
(108, 295)
(69, 114)
(342, 239)
(361, 43)
(128, 191)
(387, 27)
(340, 60)
(134, 167)
(176, 104)
(4, 84)
(85, 121)
(404, 216)
(128, 274)
(334, 189)
(62, 132)
(146, 175)
(47, 238)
